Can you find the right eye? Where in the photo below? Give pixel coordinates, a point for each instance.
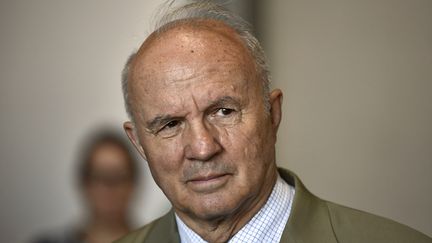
(171, 124)
(170, 128)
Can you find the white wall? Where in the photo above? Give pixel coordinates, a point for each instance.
(357, 78)
(60, 67)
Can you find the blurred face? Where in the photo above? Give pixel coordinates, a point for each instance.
(109, 185)
(201, 121)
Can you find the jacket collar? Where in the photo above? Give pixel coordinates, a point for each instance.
(165, 229)
(309, 219)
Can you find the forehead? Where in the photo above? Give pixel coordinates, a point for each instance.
(187, 53)
(200, 61)
(191, 40)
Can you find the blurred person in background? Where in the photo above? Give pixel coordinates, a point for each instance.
(106, 174)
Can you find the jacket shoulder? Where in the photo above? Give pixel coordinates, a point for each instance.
(138, 235)
(163, 229)
(351, 225)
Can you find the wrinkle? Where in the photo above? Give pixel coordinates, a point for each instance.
(199, 168)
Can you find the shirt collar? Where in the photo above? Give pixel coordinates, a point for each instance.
(266, 226)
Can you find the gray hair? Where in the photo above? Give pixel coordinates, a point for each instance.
(170, 17)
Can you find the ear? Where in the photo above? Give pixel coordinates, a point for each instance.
(132, 135)
(276, 98)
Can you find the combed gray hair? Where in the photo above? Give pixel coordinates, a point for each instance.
(170, 17)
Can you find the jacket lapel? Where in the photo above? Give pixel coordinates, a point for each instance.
(165, 230)
(309, 219)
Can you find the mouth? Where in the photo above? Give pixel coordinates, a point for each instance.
(208, 183)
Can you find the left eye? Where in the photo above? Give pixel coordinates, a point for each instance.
(224, 111)
(225, 116)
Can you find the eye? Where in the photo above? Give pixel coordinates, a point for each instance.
(224, 112)
(171, 124)
(225, 116)
(171, 128)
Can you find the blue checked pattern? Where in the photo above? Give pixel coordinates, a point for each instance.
(266, 226)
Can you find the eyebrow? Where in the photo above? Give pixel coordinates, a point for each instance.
(154, 123)
(224, 101)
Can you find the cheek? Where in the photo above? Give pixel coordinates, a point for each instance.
(163, 152)
(249, 146)
(164, 159)
(247, 138)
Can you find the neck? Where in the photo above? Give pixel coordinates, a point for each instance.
(226, 226)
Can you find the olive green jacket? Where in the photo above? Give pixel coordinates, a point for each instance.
(311, 220)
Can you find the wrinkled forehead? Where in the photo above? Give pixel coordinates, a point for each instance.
(188, 47)
(182, 33)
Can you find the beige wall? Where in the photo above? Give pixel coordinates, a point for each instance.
(357, 79)
(60, 67)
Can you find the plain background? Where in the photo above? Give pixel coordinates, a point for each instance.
(357, 79)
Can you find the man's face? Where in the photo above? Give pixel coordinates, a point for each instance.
(200, 120)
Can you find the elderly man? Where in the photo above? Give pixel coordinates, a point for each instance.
(202, 115)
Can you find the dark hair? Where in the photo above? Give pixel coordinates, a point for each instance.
(100, 137)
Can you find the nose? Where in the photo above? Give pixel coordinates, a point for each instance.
(201, 142)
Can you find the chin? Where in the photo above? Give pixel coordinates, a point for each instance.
(212, 215)
(215, 209)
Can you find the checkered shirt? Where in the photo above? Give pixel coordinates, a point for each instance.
(266, 226)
